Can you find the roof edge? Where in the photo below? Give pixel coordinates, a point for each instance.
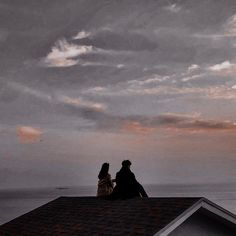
(180, 219)
(218, 210)
(201, 203)
(31, 211)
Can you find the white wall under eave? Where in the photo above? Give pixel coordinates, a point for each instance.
(200, 224)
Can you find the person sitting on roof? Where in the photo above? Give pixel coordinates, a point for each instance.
(105, 184)
(126, 184)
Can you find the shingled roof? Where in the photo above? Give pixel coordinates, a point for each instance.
(93, 216)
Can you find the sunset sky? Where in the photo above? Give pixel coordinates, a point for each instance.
(84, 82)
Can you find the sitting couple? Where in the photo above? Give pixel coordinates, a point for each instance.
(126, 184)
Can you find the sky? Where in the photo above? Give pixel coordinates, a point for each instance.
(84, 82)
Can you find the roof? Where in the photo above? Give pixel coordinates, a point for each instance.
(204, 207)
(94, 216)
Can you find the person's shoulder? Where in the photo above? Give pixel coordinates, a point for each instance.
(132, 174)
(118, 174)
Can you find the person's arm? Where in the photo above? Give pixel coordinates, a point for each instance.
(109, 180)
(141, 190)
(140, 187)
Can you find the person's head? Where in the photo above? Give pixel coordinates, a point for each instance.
(126, 164)
(104, 171)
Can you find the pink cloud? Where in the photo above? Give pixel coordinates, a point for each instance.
(137, 128)
(28, 134)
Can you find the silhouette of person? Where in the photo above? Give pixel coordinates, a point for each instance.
(105, 184)
(126, 184)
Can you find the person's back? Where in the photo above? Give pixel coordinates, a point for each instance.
(105, 185)
(126, 184)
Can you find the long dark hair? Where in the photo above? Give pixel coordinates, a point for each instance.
(104, 171)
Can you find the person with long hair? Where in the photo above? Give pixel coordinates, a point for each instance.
(105, 184)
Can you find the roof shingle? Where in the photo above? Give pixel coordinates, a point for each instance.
(93, 216)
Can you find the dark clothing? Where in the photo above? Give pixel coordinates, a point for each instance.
(127, 186)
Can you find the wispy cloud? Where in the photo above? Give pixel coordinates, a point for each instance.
(137, 128)
(225, 68)
(193, 77)
(120, 66)
(230, 26)
(60, 62)
(193, 67)
(96, 89)
(155, 78)
(105, 64)
(143, 125)
(80, 102)
(58, 99)
(222, 66)
(65, 54)
(28, 90)
(173, 8)
(222, 92)
(195, 122)
(169, 122)
(28, 134)
(136, 88)
(227, 30)
(82, 34)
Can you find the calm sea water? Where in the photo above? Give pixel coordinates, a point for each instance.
(15, 202)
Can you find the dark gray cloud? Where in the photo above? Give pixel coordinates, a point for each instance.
(180, 121)
(193, 122)
(6, 94)
(87, 67)
(158, 37)
(124, 40)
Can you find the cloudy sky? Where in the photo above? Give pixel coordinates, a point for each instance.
(85, 81)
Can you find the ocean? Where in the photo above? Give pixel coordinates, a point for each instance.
(15, 202)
